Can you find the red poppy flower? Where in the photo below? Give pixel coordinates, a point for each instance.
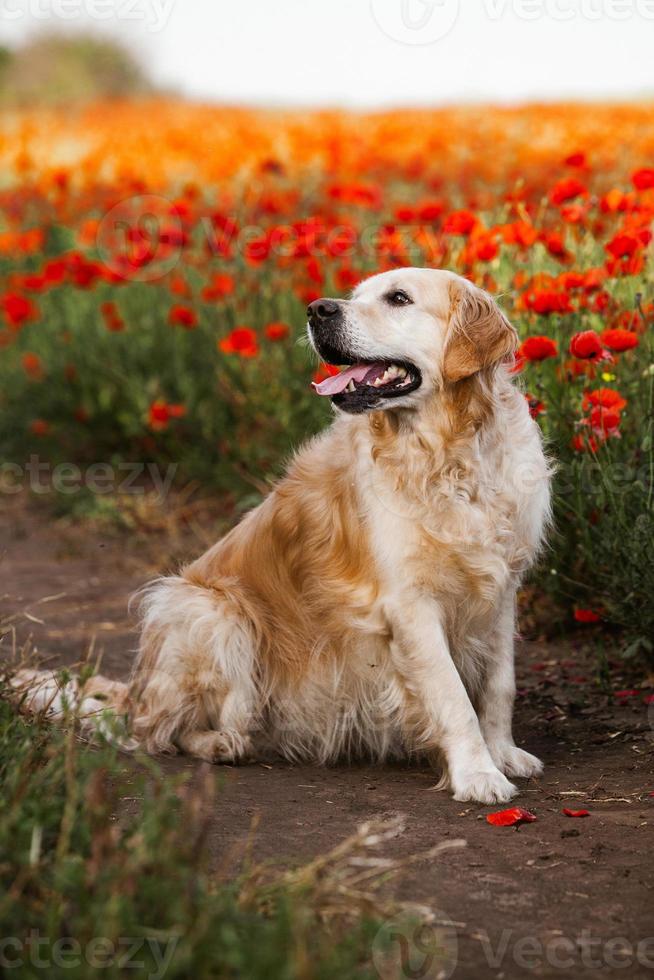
(341, 241)
(276, 331)
(364, 195)
(576, 159)
(54, 271)
(604, 421)
(519, 233)
(112, 318)
(404, 213)
(220, 286)
(575, 813)
(347, 278)
(314, 272)
(511, 817)
(566, 190)
(35, 284)
(545, 301)
(601, 301)
(32, 365)
(583, 443)
(619, 340)
(307, 294)
(160, 413)
(587, 616)
(258, 249)
(643, 179)
(183, 316)
(536, 407)
(586, 346)
(460, 223)
(614, 201)
(573, 280)
(83, 272)
(430, 210)
(556, 246)
(622, 246)
(537, 348)
(484, 248)
(242, 341)
(17, 309)
(179, 286)
(594, 278)
(39, 427)
(604, 398)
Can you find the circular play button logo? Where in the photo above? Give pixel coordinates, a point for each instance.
(415, 21)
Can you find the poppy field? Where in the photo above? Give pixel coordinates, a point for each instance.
(156, 260)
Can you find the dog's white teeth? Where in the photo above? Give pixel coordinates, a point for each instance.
(351, 386)
(392, 373)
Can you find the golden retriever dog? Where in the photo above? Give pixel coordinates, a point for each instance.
(367, 606)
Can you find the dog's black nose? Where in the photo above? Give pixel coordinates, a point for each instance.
(322, 309)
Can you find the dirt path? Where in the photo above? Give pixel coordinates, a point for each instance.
(556, 898)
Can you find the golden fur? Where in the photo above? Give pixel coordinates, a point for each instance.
(368, 603)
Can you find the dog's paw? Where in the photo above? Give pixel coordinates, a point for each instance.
(482, 787)
(217, 747)
(513, 761)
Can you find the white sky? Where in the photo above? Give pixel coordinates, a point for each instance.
(364, 52)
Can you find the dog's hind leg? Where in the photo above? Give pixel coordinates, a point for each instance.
(194, 684)
(230, 741)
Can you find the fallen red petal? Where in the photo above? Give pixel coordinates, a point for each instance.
(511, 817)
(575, 813)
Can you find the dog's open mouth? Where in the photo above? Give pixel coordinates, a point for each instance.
(361, 386)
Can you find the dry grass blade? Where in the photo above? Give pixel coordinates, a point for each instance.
(348, 882)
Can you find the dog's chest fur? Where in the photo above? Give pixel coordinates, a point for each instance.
(462, 524)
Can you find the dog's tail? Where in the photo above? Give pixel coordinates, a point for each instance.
(100, 706)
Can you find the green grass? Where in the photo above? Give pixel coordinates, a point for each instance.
(102, 883)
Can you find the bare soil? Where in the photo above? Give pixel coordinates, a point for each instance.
(560, 897)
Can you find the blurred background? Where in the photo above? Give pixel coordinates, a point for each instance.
(362, 53)
(179, 178)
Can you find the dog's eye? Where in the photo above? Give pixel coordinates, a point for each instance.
(398, 298)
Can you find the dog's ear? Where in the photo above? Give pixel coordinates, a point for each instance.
(478, 334)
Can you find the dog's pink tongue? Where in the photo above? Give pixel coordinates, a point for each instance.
(337, 383)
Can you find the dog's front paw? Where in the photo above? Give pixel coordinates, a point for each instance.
(513, 761)
(483, 787)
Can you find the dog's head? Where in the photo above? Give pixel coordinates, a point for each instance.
(404, 335)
